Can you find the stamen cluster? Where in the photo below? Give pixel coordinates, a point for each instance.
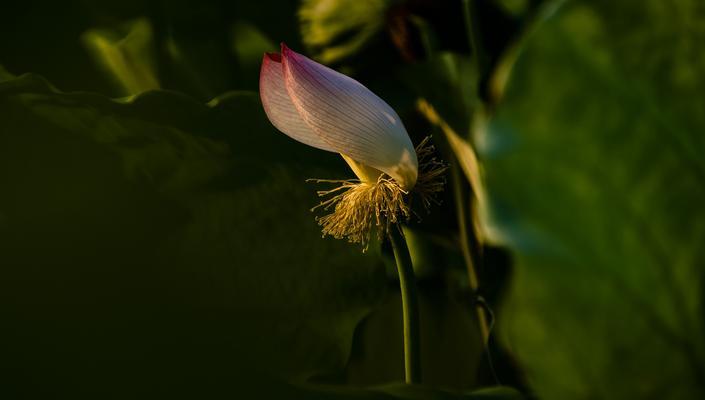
(361, 208)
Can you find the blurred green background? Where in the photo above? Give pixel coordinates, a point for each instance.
(156, 239)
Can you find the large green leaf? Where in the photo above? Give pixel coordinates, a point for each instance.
(595, 168)
(159, 247)
(161, 240)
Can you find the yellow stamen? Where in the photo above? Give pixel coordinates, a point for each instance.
(361, 207)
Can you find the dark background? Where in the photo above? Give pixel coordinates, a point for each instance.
(156, 238)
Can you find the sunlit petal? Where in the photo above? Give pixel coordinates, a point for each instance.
(349, 117)
(279, 108)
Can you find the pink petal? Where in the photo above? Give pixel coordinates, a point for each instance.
(349, 117)
(279, 108)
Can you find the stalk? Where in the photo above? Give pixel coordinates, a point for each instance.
(465, 246)
(474, 36)
(410, 306)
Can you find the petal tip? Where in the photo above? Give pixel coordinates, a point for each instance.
(276, 57)
(287, 53)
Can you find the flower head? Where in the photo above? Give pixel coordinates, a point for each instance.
(323, 108)
(328, 110)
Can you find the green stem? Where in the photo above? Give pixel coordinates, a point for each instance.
(410, 306)
(465, 246)
(472, 28)
(469, 244)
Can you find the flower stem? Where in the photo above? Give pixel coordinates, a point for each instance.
(410, 306)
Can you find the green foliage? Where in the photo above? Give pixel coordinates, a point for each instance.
(450, 341)
(127, 55)
(514, 7)
(249, 45)
(161, 245)
(4, 74)
(336, 29)
(128, 234)
(449, 82)
(595, 170)
(416, 392)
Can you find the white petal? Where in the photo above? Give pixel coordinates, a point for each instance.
(350, 118)
(279, 108)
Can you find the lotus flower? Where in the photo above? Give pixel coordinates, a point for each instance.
(323, 108)
(330, 111)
